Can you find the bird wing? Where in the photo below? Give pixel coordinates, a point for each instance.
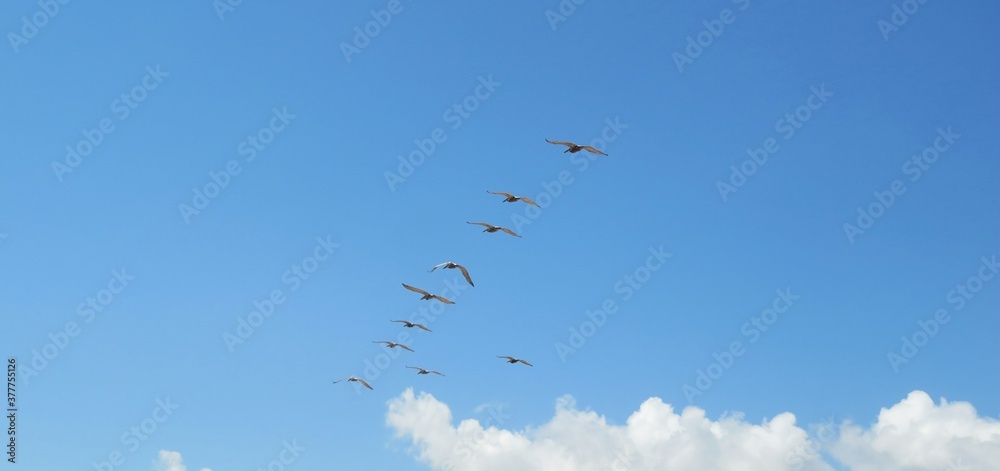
(509, 231)
(435, 372)
(465, 273)
(593, 150)
(526, 200)
(381, 341)
(339, 380)
(414, 368)
(404, 347)
(444, 300)
(438, 266)
(416, 290)
(481, 224)
(567, 144)
(500, 193)
(422, 327)
(526, 363)
(390, 320)
(366, 384)
(509, 358)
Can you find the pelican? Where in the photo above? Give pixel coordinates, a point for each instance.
(492, 228)
(423, 371)
(573, 148)
(513, 199)
(411, 324)
(351, 378)
(515, 360)
(393, 344)
(465, 272)
(428, 295)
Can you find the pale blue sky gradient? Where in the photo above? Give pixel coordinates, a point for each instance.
(323, 176)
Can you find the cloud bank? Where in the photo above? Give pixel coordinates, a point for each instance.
(918, 435)
(914, 435)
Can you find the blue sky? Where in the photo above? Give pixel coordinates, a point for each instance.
(170, 101)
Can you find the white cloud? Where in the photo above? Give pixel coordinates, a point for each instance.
(917, 435)
(914, 435)
(172, 461)
(653, 438)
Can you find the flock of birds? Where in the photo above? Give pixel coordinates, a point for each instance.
(426, 296)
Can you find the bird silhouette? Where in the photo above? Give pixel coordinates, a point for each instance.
(393, 344)
(491, 228)
(515, 360)
(351, 378)
(411, 324)
(465, 272)
(427, 295)
(511, 198)
(574, 148)
(423, 371)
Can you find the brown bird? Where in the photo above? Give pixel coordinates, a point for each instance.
(492, 228)
(411, 324)
(465, 272)
(351, 378)
(573, 148)
(513, 199)
(423, 371)
(428, 295)
(393, 344)
(515, 360)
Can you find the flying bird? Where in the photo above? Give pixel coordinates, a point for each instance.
(513, 199)
(428, 295)
(573, 148)
(351, 378)
(492, 228)
(423, 371)
(393, 344)
(515, 360)
(411, 324)
(465, 272)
